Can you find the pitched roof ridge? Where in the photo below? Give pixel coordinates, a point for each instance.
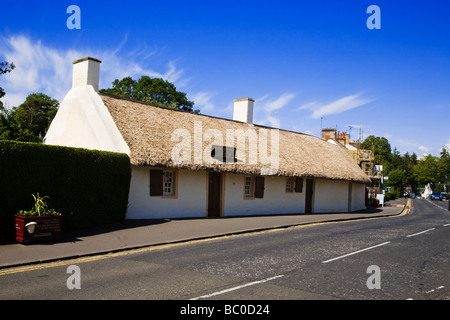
(201, 114)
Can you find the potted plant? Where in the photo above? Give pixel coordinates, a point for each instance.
(39, 223)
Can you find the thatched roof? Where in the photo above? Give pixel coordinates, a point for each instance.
(153, 132)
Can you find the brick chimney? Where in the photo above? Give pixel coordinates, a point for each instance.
(243, 110)
(343, 138)
(328, 134)
(86, 71)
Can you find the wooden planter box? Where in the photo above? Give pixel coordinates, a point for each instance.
(46, 228)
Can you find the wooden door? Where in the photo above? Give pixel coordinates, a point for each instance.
(214, 194)
(309, 196)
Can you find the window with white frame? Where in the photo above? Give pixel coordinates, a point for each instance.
(289, 184)
(163, 183)
(253, 187)
(168, 183)
(248, 187)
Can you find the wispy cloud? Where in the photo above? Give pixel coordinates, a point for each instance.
(203, 101)
(41, 68)
(271, 107)
(337, 106)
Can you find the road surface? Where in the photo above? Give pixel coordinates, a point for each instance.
(395, 258)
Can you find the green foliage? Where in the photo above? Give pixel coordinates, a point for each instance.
(407, 170)
(392, 195)
(40, 208)
(381, 150)
(151, 90)
(396, 178)
(426, 170)
(5, 67)
(30, 121)
(444, 166)
(89, 188)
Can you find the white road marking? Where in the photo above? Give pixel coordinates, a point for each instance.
(434, 204)
(432, 290)
(237, 288)
(415, 234)
(355, 252)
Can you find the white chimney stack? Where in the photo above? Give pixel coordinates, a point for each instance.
(243, 110)
(86, 71)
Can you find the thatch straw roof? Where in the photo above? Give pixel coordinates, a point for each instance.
(153, 133)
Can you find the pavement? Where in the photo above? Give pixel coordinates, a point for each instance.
(134, 234)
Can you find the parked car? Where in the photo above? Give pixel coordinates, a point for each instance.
(436, 196)
(445, 195)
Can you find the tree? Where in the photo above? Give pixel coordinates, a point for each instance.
(396, 179)
(397, 161)
(381, 149)
(30, 121)
(408, 170)
(408, 164)
(151, 90)
(426, 170)
(444, 166)
(5, 67)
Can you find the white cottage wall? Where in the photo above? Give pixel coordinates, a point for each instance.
(192, 194)
(330, 196)
(358, 196)
(190, 201)
(275, 201)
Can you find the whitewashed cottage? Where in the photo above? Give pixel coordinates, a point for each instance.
(193, 165)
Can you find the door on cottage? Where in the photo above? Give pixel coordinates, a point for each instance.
(214, 194)
(308, 196)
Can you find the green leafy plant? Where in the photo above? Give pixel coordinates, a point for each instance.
(40, 208)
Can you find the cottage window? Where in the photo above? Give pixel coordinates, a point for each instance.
(253, 187)
(248, 187)
(168, 183)
(162, 183)
(289, 184)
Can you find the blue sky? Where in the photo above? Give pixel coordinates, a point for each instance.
(308, 64)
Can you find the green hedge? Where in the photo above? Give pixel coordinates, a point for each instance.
(90, 188)
(391, 195)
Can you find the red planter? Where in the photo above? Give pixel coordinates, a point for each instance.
(45, 228)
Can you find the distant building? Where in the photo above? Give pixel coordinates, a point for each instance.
(364, 158)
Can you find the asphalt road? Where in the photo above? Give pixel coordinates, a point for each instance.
(395, 258)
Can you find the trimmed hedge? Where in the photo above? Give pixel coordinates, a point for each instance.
(90, 188)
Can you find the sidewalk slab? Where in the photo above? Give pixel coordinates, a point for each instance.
(140, 233)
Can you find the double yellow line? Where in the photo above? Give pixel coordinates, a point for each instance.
(49, 265)
(407, 209)
(60, 263)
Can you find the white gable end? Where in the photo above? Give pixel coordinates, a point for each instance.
(83, 121)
